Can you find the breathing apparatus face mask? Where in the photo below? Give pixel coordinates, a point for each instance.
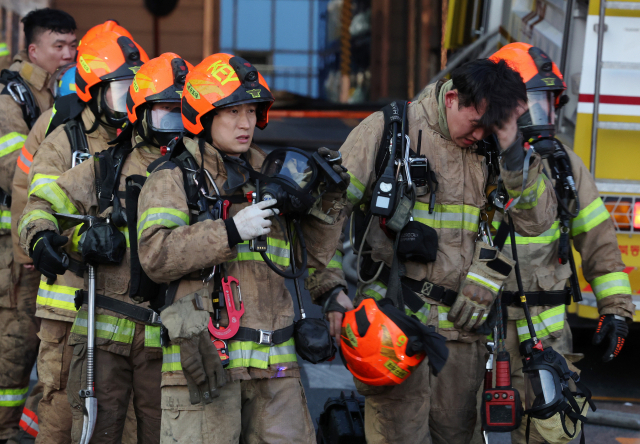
(552, 388)
(113, 101)
(292, 178)
(164, 122)
(539, 120)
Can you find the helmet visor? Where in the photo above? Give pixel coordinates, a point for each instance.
(295, 166)
(541, 107)
(115, 96)
(166, 117)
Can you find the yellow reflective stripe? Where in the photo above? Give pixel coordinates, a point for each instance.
(481, 280)
(5, 220)
(610, 284)
(549, 236)
(53, 113)
(4, 51)
(56, 296)
(335, 262)
(107, 327)
(277, 252)
(152, 336)
(544, 324)
(59, 201)
(457, 217)
(36, 214)
(167, 217)
(40, 180)
(530, 195)
(377, 290)
(75, 238)
(171, 359)
(125, 231)
(250, 354)
(355, 191)
(443, 312)
(589, 217)
(11, 142)
(12, 397)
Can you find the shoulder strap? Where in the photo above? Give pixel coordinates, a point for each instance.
(108, 167)
(392, 112)
(76, 135)
(66, 108)
(16, 87)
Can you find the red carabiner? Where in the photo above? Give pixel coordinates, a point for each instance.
(234, 315)
(225, 209)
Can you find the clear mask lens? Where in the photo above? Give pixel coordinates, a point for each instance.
(541, 389)
(541, 107)
(115, 97)
(166, 117)
(292, 165)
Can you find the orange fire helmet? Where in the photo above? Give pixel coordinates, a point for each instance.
(223, 80)
(109, 25)
(380, 345)
(536, 68)
(159, 80)
(109, 56)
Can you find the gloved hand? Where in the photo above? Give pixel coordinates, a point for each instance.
(45, 255)
(470, 308)
(335, 159)
(202, 367)
(252, 221)
(489, 269)
(614, 328)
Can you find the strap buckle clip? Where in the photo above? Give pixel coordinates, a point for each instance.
(155, 318)
(266, 337)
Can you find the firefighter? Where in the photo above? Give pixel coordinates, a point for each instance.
(51, 42)
(545, 272)
(107, 64)
(481, 98)
(263, 400)
(128, 352)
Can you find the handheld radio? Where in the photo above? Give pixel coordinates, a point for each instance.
(384, 193)
(258, 244)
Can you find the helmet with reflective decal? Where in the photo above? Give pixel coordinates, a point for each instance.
(109, 25)
(223, 80)
(155, 95)
(374, 347)
(108, 57)
(538, 71)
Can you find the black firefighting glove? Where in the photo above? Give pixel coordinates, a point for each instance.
(335, 159)
(202, 367)
(328, 300)
(615, 329)
(46, 257)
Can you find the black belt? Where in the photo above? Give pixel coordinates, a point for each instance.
(145, 315)
(538, 298)
(266, 337)
(77, 267)
(412, 288)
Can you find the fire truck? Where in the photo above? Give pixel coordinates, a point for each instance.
(601, 122)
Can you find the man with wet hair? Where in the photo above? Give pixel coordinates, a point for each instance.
(482, 99)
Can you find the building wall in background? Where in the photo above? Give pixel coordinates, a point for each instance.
(180, 32)
(281, 37)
